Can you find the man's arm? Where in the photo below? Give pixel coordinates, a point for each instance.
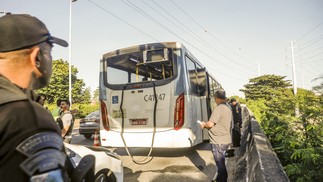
(206, 125)
(64, 130)
(215, 116)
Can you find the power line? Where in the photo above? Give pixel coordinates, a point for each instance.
(310, 70)
(241, 66)
(139, 10)
(313, 61)
(306, 34)
(311, 41)
(213, 36)
(188, 16)
(311, 57)
(136, 8)
(152, 19)
(168, 19)
(178, 21)
(102, 8)
(307, 19)
(310, 51)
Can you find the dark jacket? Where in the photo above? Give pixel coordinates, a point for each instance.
(20, 118)
(237, 118)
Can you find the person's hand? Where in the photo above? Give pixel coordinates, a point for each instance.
(201, 123)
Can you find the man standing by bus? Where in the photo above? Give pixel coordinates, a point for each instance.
(219, 126)
(67, 121)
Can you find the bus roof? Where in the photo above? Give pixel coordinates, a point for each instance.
(150, 46)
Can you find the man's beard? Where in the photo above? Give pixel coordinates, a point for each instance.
(40, 82)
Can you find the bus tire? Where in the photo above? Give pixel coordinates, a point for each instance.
(88, 135)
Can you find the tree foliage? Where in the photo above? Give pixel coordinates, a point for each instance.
(58, 87)
(96, 94)
(319, 88)
(296, 140)
(265, 87)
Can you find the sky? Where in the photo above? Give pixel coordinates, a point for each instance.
(234, 40)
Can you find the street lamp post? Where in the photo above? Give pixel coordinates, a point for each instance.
(70, 56)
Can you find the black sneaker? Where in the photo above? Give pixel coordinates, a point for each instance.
(229, 153)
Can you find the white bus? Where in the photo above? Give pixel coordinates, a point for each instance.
(151, 95)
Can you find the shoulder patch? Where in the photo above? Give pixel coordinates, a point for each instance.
(43, 161)
(40, 141)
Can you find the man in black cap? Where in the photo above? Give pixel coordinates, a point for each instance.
(219, 126)
(237, 118)
(31, 148)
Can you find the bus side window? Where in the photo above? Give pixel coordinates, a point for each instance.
(201, 75)
(191, 70)
(116, 76)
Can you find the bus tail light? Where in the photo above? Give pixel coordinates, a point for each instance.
(179, 112)
(104, 114)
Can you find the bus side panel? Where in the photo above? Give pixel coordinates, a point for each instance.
(193, 114)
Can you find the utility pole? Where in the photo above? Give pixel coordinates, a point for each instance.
(294, 71)
(294, 78)
(70, 56)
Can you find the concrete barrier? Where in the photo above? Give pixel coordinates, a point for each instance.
(257, 160)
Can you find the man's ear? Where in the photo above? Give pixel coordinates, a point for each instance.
(33, 57)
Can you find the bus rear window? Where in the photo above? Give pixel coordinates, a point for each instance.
(140, 67)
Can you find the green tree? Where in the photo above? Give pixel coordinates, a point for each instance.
(307, 159)
(297, 141)
(86, 96)
(59, 84)
(258, 108)
(265, 87)
(96, 94)
(319, 88)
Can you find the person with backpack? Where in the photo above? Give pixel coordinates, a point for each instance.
(67, 121)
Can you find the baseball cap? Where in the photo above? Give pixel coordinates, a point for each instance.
(220, 94)
(19, 31)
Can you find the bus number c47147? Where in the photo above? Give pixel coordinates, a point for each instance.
(148, 98)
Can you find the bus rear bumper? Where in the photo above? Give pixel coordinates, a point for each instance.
(183, 138)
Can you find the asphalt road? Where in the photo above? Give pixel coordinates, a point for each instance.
(189, 165)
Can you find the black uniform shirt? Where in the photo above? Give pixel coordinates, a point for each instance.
(20, 118)
(236, 112)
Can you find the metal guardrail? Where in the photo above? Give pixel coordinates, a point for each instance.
(257, 160)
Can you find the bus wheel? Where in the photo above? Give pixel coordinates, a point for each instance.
(87, 135)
